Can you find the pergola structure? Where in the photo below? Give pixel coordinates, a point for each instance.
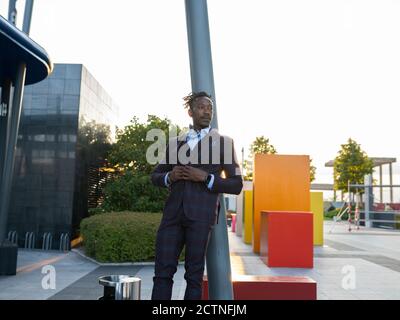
(378, 162)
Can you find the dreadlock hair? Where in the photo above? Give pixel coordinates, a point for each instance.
(190, 99)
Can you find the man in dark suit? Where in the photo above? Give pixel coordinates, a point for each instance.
(198, 166)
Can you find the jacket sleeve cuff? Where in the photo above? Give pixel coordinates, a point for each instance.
(166, 180)
(210, 184)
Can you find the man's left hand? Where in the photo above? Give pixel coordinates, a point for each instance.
(194, 174)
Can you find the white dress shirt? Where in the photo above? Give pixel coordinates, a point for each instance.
(193, 137)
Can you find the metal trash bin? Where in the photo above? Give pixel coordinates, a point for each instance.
(120, 287)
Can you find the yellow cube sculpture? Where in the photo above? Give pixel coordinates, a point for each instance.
(248, 216)
(317, 208)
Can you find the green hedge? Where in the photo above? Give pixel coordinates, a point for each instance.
(121, 236)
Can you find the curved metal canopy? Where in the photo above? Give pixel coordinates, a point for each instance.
(17, 47)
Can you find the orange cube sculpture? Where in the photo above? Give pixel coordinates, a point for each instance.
(281, 183)
(287, 239)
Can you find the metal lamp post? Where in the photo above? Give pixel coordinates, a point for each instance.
(218, 259)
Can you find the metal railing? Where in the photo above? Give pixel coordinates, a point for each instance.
(64, 242)
(47, 241)
(29, 240)
(13, 237)
(362, 209)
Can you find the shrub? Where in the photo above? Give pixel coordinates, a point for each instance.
(330, 214)
(94, 211)
(133, 192)
(121, 237)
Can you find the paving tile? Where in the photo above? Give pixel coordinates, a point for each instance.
(375, 255)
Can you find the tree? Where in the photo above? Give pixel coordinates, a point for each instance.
(262, 145)
(132, 189)
(313, 171)
(92, 146)
(351, 165)
(94, 141)
(129, 153)
(259, 145)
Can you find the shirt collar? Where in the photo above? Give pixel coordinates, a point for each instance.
(195, 134)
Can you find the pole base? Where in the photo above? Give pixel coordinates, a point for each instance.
(8, 258)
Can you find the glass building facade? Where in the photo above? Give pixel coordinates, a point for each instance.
(67, 125)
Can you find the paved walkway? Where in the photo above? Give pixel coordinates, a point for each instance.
(373, 254)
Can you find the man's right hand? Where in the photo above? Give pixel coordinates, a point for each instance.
(177, 173)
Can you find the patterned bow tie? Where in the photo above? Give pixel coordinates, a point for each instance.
(193, 134)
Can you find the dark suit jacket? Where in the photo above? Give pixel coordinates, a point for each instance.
(199, 202)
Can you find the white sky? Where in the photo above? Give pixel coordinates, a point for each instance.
(307, 74)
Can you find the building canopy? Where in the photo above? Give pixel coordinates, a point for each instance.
(17, 47)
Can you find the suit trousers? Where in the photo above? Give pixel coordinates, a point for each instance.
(173, 234)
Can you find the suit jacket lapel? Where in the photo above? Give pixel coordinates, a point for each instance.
(209, 143)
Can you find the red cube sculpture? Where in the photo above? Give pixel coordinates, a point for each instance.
(247, 287)
(286, 239)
